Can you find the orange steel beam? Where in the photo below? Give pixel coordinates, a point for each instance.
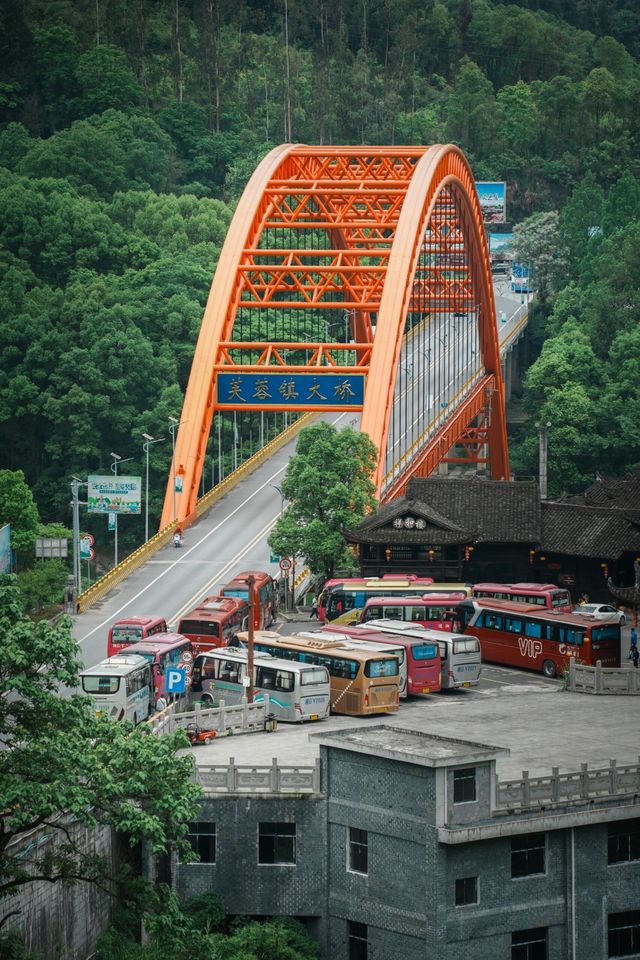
(439, 167)
(374, 205)
(434, 452)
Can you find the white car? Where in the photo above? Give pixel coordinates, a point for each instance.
(602, 611)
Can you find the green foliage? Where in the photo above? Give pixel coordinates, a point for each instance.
(43, 585)
(18, 508)
(329, 489)
(537, 242)
(59, 762)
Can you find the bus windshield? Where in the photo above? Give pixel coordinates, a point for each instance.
(102, 685)
(426, 651)
(205, 628)
(236, 592)
(381, 668)
(126, 634)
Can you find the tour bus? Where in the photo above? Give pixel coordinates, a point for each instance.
(523, 635)
(370, 639)
(121, 687)
(131, 629)
(460, 660)
(340, 596)
(362, 682)
(214, 622)
(439, 611)
(265, 596)
(297, 691)
(542, 594)
(163, 651)
(422, 658)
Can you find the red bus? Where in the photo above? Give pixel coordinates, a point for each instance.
(523, 635)
(422, 655)
(340, 596)
(439, 611)
(163, 651)
(265, 596)
(130, 630)
(214, 622)
(546, 595)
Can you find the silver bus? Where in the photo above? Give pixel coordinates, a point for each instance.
(121, 687)
(297, 691)
(461, 662)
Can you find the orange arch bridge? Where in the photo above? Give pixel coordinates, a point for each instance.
(353, 278)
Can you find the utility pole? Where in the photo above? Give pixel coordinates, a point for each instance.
(543, 434)
(75, 489)
(251, 583)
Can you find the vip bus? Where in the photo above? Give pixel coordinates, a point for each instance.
(523, 635)
(362, 682)
(546, 595)
(123, 633)
(214, 622)
(340, 596)
(439, 611)
(296, 691)
(370, 639)
(121, 686)
(162, 652)
(422, 655)
(265, 596)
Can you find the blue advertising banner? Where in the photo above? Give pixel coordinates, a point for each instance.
(493, 200)
(5, 549)
(287, 390)
(500, 244)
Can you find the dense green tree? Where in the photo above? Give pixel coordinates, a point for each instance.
(329, 488)
(61, 762)
(18, 508)
(537, 243)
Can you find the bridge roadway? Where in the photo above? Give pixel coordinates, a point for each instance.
(230, 538)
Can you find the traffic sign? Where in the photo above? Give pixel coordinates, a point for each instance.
(86, 546)
(274, 558)
(175, 680)
(285, 564)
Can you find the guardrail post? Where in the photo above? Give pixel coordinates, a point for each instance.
(231, 776)
(222, 719)
(525, 794)
(266, 708)
(613, 777)
(316, 776)
(245, 713)
(599, 677)
(572, 674)
(584, 781)
(273, 775)
(555, 784)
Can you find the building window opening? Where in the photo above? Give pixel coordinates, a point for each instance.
(464, 785)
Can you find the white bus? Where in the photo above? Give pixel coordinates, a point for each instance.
(297, 691)
(121, 687)
(367, 639)
(461, 661)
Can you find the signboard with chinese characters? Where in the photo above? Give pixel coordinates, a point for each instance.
(493, 201)
(291, 391)
(113, 494)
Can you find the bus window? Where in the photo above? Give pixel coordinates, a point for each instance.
(425, 651)
(533, 629)
(373, 613)
(312, 676)
(513, 625)
(102, 685)
(381, 668)
(569, 635)
(600, 634)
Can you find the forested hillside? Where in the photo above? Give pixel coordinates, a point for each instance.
(129, 127)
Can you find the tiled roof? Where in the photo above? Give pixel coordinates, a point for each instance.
(588, 531)
(621, 493)
(502, 511)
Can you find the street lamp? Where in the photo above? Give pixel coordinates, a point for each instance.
(279, 489)
(145, 446)
(174, 423)
(117, 459)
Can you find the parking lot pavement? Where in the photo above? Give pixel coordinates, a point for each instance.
(542, 725)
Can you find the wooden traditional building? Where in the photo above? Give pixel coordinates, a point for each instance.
(476, 529)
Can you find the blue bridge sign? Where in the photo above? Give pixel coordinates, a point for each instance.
(287, 391)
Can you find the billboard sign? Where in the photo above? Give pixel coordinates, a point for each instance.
(493, 200)
(501, 246)
(113, 494)
(49, 547)
(290, 391)
(5, 549)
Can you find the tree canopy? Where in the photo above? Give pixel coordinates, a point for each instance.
(329, 488)
(60, 763)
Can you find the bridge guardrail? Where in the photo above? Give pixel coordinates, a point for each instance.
(139, 556)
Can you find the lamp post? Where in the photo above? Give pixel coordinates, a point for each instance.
(75, 489)
(145, 446)
(279, 489)
(117, 459)
(174, 423)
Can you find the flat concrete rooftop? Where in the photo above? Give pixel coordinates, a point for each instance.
(542, 727)
(410, 746)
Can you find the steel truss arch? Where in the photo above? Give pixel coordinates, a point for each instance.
(374, 206)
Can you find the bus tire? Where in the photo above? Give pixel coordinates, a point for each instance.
(549, 669)
(207, 699)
